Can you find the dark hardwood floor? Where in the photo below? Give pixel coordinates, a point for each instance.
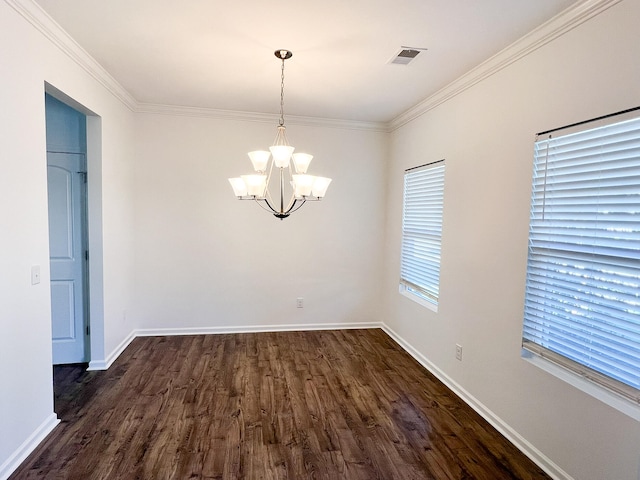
(325, 405)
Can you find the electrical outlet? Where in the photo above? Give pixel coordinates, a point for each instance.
(458, 352)
(300, 302)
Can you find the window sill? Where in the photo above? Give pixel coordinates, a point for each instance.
(606, 396)
(412, 296)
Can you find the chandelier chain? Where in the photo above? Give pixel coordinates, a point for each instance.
(282, 95)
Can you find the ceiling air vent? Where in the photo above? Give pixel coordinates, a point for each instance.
(405, 55)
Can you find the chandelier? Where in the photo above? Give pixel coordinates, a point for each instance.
(291, 190)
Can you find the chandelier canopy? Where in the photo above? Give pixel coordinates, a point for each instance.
(293, 189)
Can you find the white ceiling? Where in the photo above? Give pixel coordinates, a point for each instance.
(219, 55)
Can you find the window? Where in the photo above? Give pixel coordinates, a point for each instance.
(422, 232)
(582, 305)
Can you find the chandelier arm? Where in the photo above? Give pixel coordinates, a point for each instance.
(270, 209)
(292, 200)
(297, 203)
(282, 189)
(290, 204)
(267, 185)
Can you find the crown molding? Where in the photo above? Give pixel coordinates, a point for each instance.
(36, 16)
(176, 110)
(565, 21)
(40, 19)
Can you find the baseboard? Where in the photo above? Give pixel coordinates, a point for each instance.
(553, 470)
(29, 445)
(150, 332)
(155, 332)
(106, 363)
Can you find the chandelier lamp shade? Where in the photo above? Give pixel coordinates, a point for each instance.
(274, 170)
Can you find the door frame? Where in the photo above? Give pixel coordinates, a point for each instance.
(95, 277)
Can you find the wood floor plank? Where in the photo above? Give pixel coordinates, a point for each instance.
(345, 404)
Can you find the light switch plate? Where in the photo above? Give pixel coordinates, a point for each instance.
(35, 274)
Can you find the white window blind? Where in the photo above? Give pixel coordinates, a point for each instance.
(422, 230)
(582, 306)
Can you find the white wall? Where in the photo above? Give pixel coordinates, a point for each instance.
(29, 60)
(206, 260)
(486, 135)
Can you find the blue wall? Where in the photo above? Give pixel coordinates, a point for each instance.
(66, 127)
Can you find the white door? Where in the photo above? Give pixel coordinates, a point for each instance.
(66, 182)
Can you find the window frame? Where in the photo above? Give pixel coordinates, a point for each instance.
(422, 215)
(622, 396)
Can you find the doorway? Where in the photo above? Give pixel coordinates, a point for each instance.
(68, 246)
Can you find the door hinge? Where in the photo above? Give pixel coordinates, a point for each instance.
(84, 176)
(87, 329)
(86, 255)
